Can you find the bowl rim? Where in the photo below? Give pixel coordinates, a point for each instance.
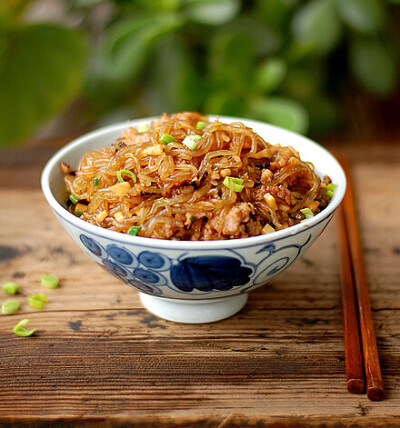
(57, 157)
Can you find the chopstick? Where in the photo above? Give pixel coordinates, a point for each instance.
(355, 295)
(354, 365)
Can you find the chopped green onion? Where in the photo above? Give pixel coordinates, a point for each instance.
(10, 287)
(125, 172)
(73, 199)
(37, 300)
(330, 189)
(36, 304)
(19, 331)
(307, 213)
(166, 138)
(143, 128)
(96, 181)
(10, 306)
(233, 183)
(49, 281)
(78, 213)
(200, 125)
(192, 141)
(133, 230)
(193, 218)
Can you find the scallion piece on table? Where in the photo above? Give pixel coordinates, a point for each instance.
(200, 125)
(233, 183)
(307, 213)
(133, 230)
(49, 281)
(191, 141)
(10, 306)
(20, 331)
(10, 287)
(96, 181)
(37, 300)
(143, 128)
(73, 199)
(166, 138)
(125, 172)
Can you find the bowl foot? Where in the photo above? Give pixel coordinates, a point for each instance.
(193, 311)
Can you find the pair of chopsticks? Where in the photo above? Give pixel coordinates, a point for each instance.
(358, 325)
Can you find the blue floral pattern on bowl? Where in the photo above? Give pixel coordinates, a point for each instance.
(207, 273)
(190, 274)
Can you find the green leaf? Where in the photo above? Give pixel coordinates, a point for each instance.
(304, 80)
(325, 115)
(211, 12)
(264, 39)
(283, 112)
(231, 60)
(126, 44)
(41, 72)
(270, 74)
(366, 16)
(373, 65)
(224, 102)
(316, 24)
(275, 13)
(175, 83)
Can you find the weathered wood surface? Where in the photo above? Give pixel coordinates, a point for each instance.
(99, 359)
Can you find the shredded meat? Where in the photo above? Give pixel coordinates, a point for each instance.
(229, 222)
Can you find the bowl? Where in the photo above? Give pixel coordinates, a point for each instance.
(199, 281)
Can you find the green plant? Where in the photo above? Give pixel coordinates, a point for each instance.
(282, 61)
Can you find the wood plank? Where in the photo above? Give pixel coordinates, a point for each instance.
(119, 362)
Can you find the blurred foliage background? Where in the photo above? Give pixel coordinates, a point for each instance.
(288, 62)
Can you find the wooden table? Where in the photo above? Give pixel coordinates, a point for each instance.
(99, 359)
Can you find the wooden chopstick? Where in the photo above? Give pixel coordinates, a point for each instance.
(354, 365)
(348, 221)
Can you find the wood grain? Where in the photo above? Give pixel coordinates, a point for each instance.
(99, 359)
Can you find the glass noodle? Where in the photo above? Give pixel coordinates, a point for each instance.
(185, 177)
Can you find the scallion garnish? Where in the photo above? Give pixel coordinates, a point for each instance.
(125, 172)
(133, 230)
(193, 218)
(10, 287)
(143, 128)
(49, 281)
(330, 189)
(200, 125)
(10, 306)
(166, 138)
(96, 181)
(191, 141)
(233, 183)
(73, 199)
(307, 213)
(78, 213)
(37, 300)
(20, 331)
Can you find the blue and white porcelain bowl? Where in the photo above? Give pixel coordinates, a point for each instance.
(184, 281)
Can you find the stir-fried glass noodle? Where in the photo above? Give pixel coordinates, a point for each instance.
(184, 177)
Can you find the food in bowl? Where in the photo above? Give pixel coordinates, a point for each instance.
(186, 177)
